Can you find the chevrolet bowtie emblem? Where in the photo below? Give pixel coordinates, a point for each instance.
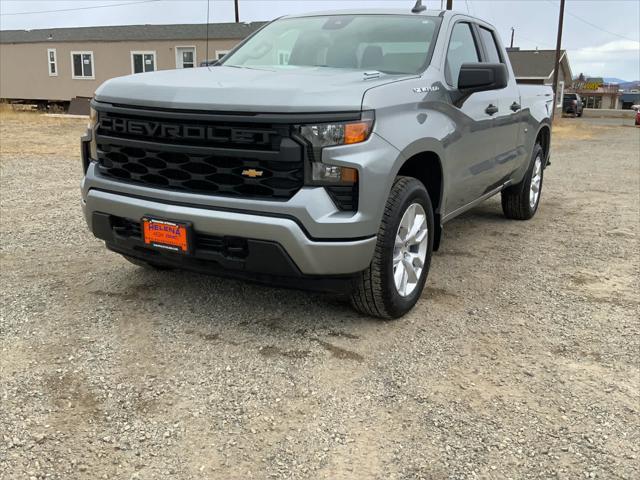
(252, 173)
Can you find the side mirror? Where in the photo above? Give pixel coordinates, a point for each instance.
(480, 77)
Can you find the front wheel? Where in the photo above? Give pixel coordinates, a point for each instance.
(392, 284)
(520, 202)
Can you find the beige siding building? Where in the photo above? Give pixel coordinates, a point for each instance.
(536, 67)
(63, 63)
(596, 93)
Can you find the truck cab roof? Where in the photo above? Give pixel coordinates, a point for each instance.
(443, 14)
(369, 11)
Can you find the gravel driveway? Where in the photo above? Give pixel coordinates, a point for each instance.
(521, 360)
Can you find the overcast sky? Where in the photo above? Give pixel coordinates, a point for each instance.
(608, 47)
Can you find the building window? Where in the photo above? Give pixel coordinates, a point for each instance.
(52, 60)
(220, 54)
(592, 101)
(185, 57)
(82, 65)
(143, 62)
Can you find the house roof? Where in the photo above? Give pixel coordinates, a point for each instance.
(534, 63)
(125, 33)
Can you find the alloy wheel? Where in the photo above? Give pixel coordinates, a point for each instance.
(410, 249)
(536, 182)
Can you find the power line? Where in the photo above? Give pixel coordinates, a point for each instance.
(77, 8)
(595, 26)
(470, 6)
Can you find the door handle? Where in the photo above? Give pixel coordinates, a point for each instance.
(491, 109)
(515, 106)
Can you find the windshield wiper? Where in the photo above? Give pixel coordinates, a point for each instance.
(248, 68)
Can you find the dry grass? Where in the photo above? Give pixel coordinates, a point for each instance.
(8, 110)
(569, 129)
(26, 131)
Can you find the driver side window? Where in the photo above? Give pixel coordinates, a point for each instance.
(462, 49)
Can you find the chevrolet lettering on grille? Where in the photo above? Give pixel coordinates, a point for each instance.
(172, 131)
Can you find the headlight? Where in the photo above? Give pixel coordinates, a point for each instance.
(343, 133)
(93, 125)
(331, 134)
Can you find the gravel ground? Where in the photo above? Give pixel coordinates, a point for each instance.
(521, 361)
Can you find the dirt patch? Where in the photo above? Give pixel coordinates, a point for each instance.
(339, 352)
(272, 351)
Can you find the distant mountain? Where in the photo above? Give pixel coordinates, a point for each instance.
(635, 85)
(614, 80)
(624, 85)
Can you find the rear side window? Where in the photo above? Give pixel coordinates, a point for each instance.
(462, 49)
(493, 54)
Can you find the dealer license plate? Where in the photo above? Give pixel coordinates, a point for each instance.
(166, 235)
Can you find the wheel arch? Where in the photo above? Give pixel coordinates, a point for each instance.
(426, 166)
(543, 137)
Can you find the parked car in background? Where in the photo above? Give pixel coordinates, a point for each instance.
(326, 151)
(572, 104)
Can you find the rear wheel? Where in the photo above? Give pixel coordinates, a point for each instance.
(392, 284)
(520, 202)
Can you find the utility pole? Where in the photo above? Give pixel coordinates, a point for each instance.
(237, 11)
(513, 30)
(449, 4)
(557, 63)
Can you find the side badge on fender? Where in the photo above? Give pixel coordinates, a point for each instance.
(433, 88)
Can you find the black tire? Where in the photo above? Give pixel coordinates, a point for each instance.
(375, 293)
(580, 114)
(143, 264)
(515, 199)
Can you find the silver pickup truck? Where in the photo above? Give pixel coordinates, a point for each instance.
(326, 151)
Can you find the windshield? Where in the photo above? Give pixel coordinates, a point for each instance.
(388, 43)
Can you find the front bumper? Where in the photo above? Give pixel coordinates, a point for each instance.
(310, 256)
(316, 237)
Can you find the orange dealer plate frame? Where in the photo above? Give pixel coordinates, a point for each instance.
(167, 235)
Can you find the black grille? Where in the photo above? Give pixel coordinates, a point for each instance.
(242, 160)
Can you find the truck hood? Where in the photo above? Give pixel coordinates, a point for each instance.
(282, 90)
